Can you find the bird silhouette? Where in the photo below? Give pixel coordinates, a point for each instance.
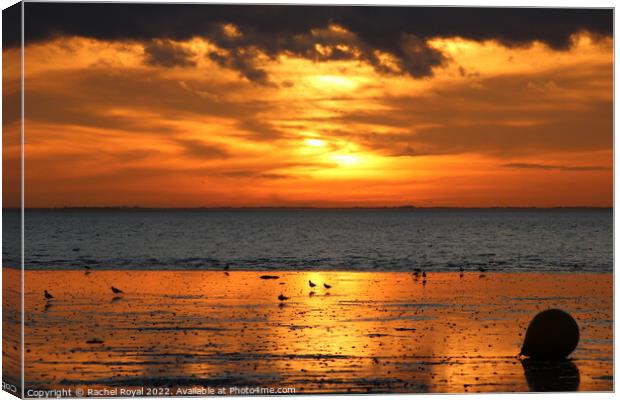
(481, 269)
(311, 294)
(282, 297)
(47, 295)
(461, 269)
(312, 284)
(327, 286)
(116, 290)
(424, 274)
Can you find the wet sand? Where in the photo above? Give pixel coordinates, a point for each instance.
(371, 332)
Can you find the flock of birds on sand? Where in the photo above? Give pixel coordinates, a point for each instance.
(116, 291)
(417, 272)
(312, 285)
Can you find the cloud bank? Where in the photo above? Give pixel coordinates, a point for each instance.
(363, 33)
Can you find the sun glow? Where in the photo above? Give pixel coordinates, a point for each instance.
(331, 133)
(334, 82)
(347, 159)
(315, 142)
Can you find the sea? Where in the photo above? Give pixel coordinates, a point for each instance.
(509, 240)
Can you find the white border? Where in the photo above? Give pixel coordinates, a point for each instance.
(480, 3)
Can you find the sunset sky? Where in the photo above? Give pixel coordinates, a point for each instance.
(189, 106)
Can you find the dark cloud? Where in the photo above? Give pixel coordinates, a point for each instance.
(551, 167)
(417, 58)
(199, 149)
(243, 64)
(12, 25)
(400, 31)
(167, 54)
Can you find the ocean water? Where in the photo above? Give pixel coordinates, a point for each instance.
(568, 240)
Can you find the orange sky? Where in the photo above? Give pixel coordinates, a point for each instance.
(493, 126)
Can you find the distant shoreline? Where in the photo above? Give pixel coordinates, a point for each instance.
(397, 208)
(468, 272)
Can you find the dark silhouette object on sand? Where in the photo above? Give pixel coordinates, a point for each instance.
(552, 335)
(282, 297)
(269, 277)
(311, 284)
(47, 295)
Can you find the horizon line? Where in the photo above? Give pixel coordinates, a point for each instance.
(404, 207)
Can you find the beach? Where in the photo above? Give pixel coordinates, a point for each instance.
(373, 332)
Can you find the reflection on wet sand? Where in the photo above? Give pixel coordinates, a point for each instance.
(11, 329)
(551, 376)
(370, 332)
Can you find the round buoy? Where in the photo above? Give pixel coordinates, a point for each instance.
(552, 335)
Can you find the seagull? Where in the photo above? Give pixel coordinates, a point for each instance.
(424, 274)
(47, 295)
(282, 297)
(312, 284)
(115, 290)
(327, 286)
